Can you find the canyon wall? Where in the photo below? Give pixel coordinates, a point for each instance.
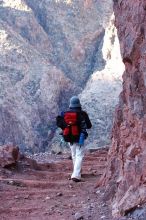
(75, 29)
(50, 51)
(30, 86)
(125, 176)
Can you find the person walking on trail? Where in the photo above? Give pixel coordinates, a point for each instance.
(74, 123)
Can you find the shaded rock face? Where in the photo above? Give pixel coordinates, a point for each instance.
(127, 158)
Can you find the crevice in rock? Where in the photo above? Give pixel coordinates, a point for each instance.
(61, 55)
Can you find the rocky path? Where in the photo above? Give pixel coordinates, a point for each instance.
(44, 191)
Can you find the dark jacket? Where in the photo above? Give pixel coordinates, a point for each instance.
(87, 120)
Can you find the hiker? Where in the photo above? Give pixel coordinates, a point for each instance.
(74, 123)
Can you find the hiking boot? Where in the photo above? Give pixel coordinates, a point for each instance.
(75, 179)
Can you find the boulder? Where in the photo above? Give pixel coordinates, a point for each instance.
(9, 155)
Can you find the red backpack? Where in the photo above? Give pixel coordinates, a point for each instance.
(71, 132)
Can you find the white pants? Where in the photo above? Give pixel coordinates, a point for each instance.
(77, 153)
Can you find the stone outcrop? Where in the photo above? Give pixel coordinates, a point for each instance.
(126, 168)
(9, 155)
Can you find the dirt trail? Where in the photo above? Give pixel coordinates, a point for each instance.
(47, 193)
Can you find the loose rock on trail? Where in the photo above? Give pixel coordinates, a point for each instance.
(41, 189)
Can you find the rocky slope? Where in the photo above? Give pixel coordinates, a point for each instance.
(126, 172)
(46, 57)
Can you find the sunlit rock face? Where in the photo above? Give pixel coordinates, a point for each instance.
(21, 19)
(100, 95)
(127, 158)
(49, 49)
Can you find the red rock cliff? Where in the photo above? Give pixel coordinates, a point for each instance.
(127, 157)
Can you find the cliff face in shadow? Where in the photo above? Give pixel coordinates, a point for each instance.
(127, 158)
